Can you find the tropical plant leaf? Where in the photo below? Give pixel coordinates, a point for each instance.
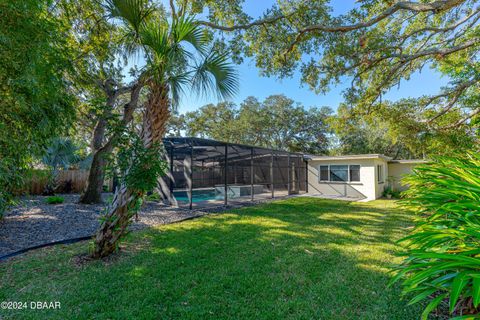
(216, 74)
(459, 282)
(432, 305)
(476, 291)
(422, 295)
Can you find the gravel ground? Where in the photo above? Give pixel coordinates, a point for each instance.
(33, 222)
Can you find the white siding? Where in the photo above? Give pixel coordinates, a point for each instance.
(397, 171)
(364, 190)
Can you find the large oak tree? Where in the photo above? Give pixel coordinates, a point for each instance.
(375, 46)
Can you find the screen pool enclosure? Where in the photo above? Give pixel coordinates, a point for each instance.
(205, 172)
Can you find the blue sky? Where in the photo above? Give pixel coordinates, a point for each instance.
(251, 84)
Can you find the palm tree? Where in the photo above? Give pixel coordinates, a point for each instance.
(61, 153)
(178, 56)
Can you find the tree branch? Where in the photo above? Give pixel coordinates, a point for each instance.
(442, 30)
(462, 121)
(258, 22)
(457, 91)
(128, 110)
(436, 7)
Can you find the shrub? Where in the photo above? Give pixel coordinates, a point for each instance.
(4, 202)
(393, 193)
(388, 191)
(443, 261)
(36, 101)
(397, 194)
(67, 186)
(61, 154)
(54, 200)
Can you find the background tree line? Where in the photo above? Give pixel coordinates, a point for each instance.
(277, 122)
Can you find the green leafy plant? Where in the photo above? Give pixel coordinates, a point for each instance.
(388, 192)
(443, 261)
(139, 167)
(397, 194)
(54, 200)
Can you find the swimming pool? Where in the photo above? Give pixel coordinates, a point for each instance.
(234, 191)
(198, 195)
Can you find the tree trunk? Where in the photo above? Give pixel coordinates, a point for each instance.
(101, 149)
(123, 206)
(94, 187)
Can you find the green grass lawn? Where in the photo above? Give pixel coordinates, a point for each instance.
(301, 258)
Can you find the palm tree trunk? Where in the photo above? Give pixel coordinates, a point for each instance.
(123, 206)
(116, 222)
(156, 115)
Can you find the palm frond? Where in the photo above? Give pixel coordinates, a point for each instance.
(61, 153)
(155, 36)
(185, 29)
(177, 83)
(216, 75)
(133, 12)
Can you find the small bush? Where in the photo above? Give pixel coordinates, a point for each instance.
(54, 200)
(393, 193)
(387, 192)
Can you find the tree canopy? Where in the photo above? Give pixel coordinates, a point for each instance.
(394, 134)
(376, 46)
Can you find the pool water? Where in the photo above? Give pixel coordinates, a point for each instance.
(198, 195)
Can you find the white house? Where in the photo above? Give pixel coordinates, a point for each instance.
(362, 177)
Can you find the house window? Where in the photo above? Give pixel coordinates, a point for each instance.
(339, 173)
(355, 173)
(324, 173)
(380, 173)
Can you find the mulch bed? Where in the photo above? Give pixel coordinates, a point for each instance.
(33, 222)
